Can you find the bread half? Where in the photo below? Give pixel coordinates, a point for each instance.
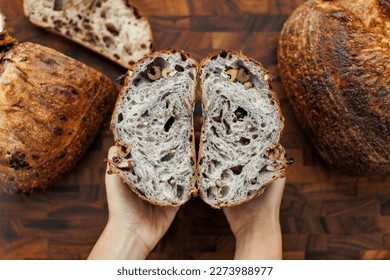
(153, 128)
(112, 28)
(239, 150)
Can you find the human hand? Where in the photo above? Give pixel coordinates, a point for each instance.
(134, 226)
(256, 226)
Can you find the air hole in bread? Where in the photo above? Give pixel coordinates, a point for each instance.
(191, 75)
(58, 5)
(223, 54)
(204, 175)
(227, 127)
(167, 157)
(145, 114)
(169, 123)
(237, 169)
(244, 141)
(216, 163)
(183, 56)
(136, 82)
(225, 174)
(108, 41)
(209, 193)
(240, 113)
(218, 118)
(141, 192)
(255, 136)
(263, 124)
(250, 193)
(214, 131)
(112, 28)
(165, 95)
(120, 117)
(180, 191)
(224, 190)
(179, 68)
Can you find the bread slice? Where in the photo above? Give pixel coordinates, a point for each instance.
(112, 28)
(153, 128)
(239, 150)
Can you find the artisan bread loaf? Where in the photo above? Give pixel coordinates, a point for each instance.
(334, 60)
(239, 151)
(153, 128)
(51, 107)
(112, 28)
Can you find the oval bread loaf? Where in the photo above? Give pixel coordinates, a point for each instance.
(51, 107)
(334, 60)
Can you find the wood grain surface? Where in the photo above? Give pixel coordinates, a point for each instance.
(324, 214)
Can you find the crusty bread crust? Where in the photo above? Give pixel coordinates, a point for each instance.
(279, 173)
(122, 174)
(49, 118)
(334, 61)
(103, 38)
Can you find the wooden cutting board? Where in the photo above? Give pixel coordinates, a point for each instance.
(324, 215)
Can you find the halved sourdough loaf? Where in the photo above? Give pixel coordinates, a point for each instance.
(113, 28)
(239, 150)
(153, 128)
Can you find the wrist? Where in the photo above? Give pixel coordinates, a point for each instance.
(119, 243)
(259, 240)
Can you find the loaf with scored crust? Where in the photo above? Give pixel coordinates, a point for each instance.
(51, 108)
(334, 61)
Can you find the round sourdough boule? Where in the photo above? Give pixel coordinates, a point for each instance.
(334, 60)
(153, 128)
(239, 153)
(51, 108)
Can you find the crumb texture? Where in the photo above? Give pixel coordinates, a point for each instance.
(240, 122)
(153, 119)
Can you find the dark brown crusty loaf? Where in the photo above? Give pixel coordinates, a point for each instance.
(239, 151)
(51, 107)
(153, 128)
(113, 28)
(334, 60)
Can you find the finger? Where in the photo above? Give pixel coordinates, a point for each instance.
(115, 187)
(274, 191)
